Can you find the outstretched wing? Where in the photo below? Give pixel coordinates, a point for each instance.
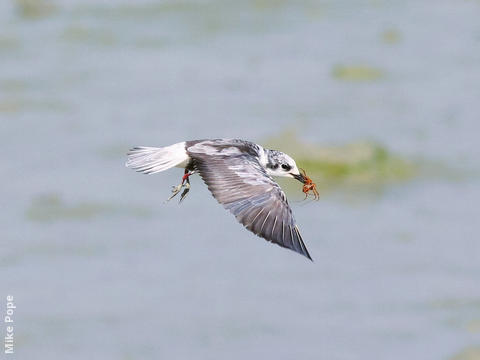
(238, 182)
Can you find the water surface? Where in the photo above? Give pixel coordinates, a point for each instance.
(101, 269)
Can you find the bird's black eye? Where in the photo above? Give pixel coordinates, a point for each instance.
(286, 167)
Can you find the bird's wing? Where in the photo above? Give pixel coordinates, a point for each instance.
(238, 182)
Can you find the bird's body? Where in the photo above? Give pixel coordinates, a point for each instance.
(239, 175)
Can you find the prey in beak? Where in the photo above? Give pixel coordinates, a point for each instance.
(300, 178)
(308, 184)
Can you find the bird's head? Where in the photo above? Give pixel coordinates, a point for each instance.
(280, 164)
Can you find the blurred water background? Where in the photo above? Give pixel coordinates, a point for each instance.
(380, 102)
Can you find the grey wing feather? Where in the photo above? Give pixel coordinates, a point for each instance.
(241, 185)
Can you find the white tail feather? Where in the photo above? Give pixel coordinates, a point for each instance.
(150, 160)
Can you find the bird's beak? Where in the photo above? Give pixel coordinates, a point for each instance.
(300, 178)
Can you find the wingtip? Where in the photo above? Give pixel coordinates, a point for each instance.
(307, 255)
(303, 247)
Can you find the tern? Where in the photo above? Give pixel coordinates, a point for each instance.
(239, 174)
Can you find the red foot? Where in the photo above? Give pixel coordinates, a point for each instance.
(185, 177)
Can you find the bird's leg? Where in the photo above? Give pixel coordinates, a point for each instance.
(185, 183)
(187, 189)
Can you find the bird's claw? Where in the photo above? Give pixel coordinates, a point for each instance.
(184, 184)
(175, 191)
(185, 192)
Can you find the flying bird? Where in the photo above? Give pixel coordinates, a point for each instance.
(239, 174)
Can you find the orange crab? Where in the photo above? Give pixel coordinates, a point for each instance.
(308, 186)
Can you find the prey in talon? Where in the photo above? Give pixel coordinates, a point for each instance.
(309, 185)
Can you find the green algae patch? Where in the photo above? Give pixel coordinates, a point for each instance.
(473, 326)
(457, 304)
(357, 73)
(18, 104)
(469, 353)
(50, 207)
(8, 43)
(391, 36)
(34, 9)
(360, 163)
(14, 85)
